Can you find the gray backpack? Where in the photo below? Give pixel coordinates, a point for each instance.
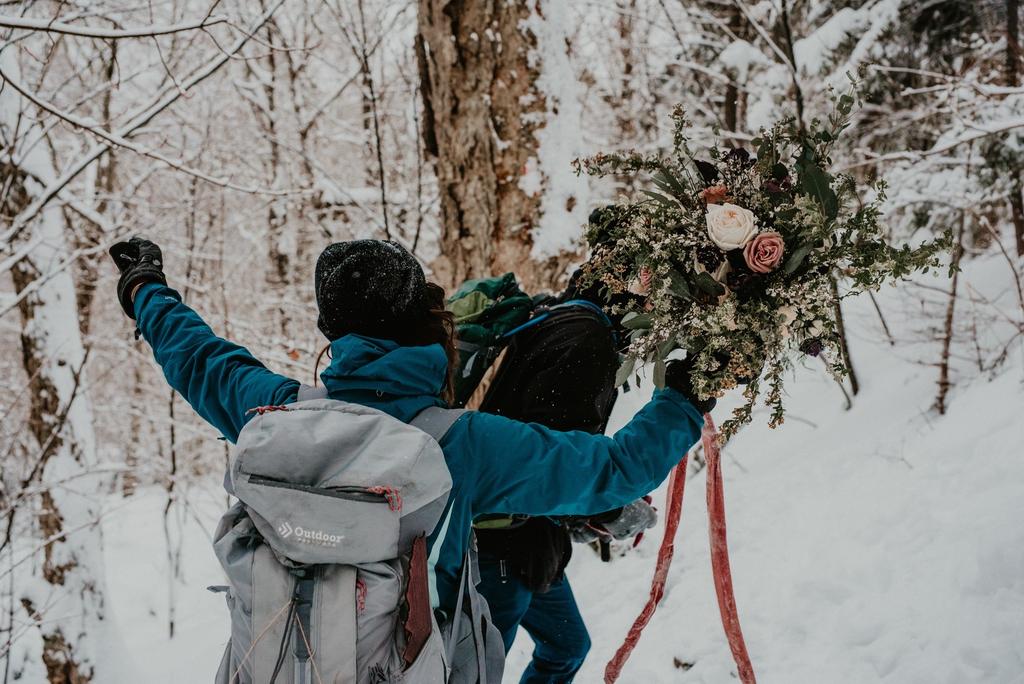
(325, 552)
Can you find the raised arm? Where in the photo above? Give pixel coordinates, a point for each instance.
(218, 378)
(528, 468)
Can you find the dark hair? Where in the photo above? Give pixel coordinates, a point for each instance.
(435, 326)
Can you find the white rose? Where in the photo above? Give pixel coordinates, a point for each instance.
(730, 226)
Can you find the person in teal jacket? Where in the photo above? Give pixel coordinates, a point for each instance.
(380, 316)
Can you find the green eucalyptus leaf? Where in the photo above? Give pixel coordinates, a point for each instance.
(665, 348)
(625, 370)
(678, 285)
(785, 214)
(797, 258)
(667, 177)
(816, 183)
(662, 185)
(637, 321)
(706, 282)
(659, 373)
(661, 199)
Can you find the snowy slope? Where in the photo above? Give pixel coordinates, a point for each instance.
(880, 544)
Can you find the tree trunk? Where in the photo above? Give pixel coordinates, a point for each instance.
(844, 341)
(90, 235)
(1012, 80)
(502, 121)
(285, 217)
(60, 422)
(949, 324)
(635, 109)
(371, 123)
(625, 115)
(731, 104)
(67, 541)
(798, 91)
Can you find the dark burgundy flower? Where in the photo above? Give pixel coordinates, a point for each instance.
(812, 347)
(739, 280)
(707, 171)
(736, 260)
(777, 186)
(739, 156)
(710, 257)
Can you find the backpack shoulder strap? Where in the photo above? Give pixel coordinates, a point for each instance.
(307, 392)
(583, 304)
(483, 637)
(436, 421)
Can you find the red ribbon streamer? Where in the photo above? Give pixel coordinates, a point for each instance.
(676, 483)
(720, 553)
(719, 561)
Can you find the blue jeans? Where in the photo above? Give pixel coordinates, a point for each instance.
(551, 618)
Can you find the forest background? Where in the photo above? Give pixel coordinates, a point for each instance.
(243, 136)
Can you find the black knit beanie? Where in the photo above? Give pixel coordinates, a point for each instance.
(370, 287)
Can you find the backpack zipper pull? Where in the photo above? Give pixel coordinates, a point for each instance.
(393, 496)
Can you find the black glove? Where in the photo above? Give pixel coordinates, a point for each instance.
(139, 261)
(677, 376)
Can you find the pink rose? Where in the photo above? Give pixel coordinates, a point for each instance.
(764, 252)
(645, 279)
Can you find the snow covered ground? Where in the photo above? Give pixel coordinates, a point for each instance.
(880, 544)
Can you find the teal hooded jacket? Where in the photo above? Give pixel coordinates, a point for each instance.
(497, 465)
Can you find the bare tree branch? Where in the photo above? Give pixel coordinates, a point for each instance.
(120, 141)
(106, 34)
(977, 134)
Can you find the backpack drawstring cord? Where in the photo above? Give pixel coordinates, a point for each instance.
(316, 366)
(266, 409)
(241, 663)
(309, 650)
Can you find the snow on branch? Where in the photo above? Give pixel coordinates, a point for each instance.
(121, 141)
(106, 34)
(978, 133)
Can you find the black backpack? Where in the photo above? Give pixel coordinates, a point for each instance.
(558, 370)
(493, 315)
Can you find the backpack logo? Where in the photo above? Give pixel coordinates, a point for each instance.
(304, 536)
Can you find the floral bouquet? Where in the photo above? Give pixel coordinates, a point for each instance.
(740, 257)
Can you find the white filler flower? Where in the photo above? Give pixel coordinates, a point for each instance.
(730, 226)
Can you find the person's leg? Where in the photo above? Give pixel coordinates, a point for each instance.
(560, 637)
(507, 597)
